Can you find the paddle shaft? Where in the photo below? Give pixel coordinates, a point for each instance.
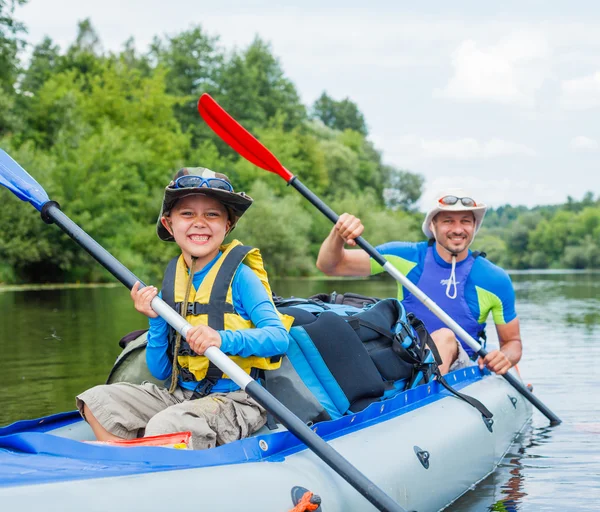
(52, 212)
(431, 305)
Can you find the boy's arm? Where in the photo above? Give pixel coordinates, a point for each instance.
(157, 359)
(269, 337)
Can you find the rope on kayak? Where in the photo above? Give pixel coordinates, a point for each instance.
(307, 503)
(175, 371)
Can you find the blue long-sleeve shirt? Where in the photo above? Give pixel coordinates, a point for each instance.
(251, 302)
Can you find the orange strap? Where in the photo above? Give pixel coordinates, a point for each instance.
(307, 503)
(516, 367)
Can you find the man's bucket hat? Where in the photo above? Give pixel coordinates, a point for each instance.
(454, 200)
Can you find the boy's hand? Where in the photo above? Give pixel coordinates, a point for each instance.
(142, 299)
(496, 361)
(349, 227)
(201, 337)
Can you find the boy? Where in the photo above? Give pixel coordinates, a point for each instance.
(229, 305)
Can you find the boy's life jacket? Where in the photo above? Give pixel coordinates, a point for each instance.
(212, 304)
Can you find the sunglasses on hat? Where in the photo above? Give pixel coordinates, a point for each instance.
(452, 200)
(199, 182)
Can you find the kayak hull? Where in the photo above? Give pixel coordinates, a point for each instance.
(424, 455)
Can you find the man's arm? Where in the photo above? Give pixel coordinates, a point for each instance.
(509, 336)
(334, 260)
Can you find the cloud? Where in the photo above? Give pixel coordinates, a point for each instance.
(466, 148)
(583, 143)
(581, 93)
(509, 72)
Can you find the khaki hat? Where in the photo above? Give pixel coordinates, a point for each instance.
(236, 202)
(477, 208)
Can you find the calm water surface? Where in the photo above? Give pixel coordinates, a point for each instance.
(56, 343)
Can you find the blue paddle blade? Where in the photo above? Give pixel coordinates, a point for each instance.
(20, 183)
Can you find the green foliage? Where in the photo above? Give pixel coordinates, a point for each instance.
(103, 133)
(339, 115)
(253, 89)
(10, 43)
(557, 236)
(494, 247)
(45, 61)
(279, 226)
(403, 189)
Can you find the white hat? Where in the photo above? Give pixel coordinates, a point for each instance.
(478, 209)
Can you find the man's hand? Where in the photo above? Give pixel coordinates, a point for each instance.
(142, 299)
(495, 361)
(201, 337)
(348, 227)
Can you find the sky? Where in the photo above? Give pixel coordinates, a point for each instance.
(498, 98)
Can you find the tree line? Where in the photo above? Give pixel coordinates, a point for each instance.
(103, 132)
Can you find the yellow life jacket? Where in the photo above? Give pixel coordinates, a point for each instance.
(212, 305)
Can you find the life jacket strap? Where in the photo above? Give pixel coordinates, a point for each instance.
(204, 387)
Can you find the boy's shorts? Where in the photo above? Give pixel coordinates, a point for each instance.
(130, 411)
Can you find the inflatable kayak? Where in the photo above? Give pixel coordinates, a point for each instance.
(423, 447)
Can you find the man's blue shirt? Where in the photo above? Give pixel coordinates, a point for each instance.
(488, 288)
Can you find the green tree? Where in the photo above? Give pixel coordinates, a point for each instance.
(340, 115)
(10, 44)
(45, 61)
(193, 61)
(299, 150)
(403, 189)
(493, 246)
(253, 89)
(85, 55)
(279, 226)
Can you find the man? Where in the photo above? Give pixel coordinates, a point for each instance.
(465, 285)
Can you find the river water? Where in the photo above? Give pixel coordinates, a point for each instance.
(54, 343)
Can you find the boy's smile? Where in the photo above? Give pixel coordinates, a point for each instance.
(199, 225)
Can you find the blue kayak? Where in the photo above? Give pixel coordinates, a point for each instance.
(423, 447)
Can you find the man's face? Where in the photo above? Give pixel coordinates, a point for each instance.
(454, 230)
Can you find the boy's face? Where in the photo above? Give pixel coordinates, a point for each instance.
(198, 224)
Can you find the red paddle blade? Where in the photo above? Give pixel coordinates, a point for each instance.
(240, 139)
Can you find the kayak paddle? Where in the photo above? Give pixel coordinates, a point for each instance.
(244, 143)
(18, 181)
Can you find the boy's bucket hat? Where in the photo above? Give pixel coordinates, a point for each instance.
(202, 181)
